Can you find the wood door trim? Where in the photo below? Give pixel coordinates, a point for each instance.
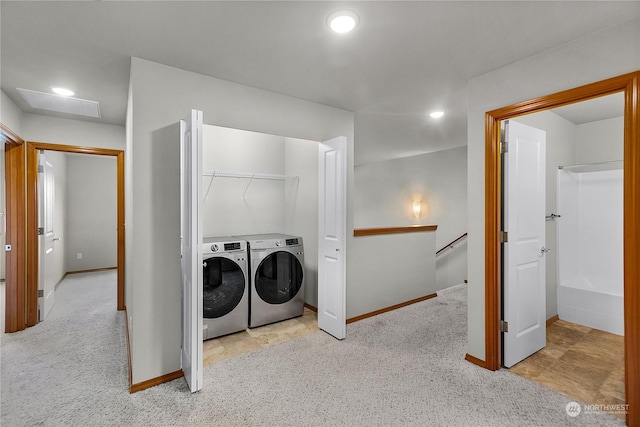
(630, 85)
(32, 216)
(358, 232)
(15, 299)
(8, 136)
(74, 149)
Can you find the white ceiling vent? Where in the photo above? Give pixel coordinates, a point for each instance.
(61, 104)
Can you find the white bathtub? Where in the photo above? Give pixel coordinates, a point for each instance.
(598, 305)
(590, 246)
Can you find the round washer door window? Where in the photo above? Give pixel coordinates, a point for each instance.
(278, 278)
(223, 287)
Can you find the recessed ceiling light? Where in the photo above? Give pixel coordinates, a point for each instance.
(62, 91)
(343, 21)
(436, 114)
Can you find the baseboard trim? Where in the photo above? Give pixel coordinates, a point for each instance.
(55, 288)
(134, 388)
(310, 307)
(552, 320)
(475, 361)
(391, 308)
(92, 270)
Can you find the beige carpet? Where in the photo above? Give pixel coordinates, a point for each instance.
(400, 368)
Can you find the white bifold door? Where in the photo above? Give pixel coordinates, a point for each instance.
(332, 199)
(47, 239)
(191, 155)
(524, 287)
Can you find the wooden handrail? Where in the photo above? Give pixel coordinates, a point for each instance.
(450, 245)
(393, 230)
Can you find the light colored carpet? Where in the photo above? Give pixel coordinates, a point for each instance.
(400, 368)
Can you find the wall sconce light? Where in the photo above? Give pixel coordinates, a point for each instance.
(417, 207)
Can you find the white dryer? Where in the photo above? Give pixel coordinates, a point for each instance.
(225, 286)
(277, 277)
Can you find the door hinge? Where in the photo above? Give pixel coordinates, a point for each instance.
(504, 140)
(40, 293)
(504, 147)
(504, 326)
(40, 168)
(504, 237)
(40, 231)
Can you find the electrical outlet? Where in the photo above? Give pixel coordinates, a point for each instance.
(79, 255)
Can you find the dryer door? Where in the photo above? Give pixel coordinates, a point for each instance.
(278, 277)
(223, 286)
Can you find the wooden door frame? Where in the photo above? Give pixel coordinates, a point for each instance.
(15, 273)
(629, 84)
(32, 218)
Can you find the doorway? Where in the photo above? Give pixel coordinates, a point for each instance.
(32, 213)
(78, 224)
(581, 224)
(22, 211)
(629, 84)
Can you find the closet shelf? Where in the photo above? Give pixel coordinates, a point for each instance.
(249, 176)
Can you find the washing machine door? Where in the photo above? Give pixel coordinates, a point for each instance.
(278, 277)
(224, 286)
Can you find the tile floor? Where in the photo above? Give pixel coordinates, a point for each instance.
(223, 348)
(580, 362)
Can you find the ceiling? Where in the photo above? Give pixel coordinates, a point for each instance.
(403, 60)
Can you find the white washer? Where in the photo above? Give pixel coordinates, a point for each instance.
(225, 286)
(277, 277)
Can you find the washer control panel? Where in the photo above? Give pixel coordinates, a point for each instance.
(215, 245)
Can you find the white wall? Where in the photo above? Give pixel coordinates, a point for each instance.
(54, 130)
(390, 269)
(385, 191)
(91, 214)
(607, 53)
(161, 96)
(10, 114)
(225, 212)
(600, 141)
(301, 201)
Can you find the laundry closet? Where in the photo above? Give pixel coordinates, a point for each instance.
(259, 221)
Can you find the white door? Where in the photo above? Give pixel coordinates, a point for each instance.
(191, 147)
(332, 171)
(524, 286)
(46, 200)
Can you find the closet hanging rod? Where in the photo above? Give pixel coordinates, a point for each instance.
(249, 175)
(594, 164)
